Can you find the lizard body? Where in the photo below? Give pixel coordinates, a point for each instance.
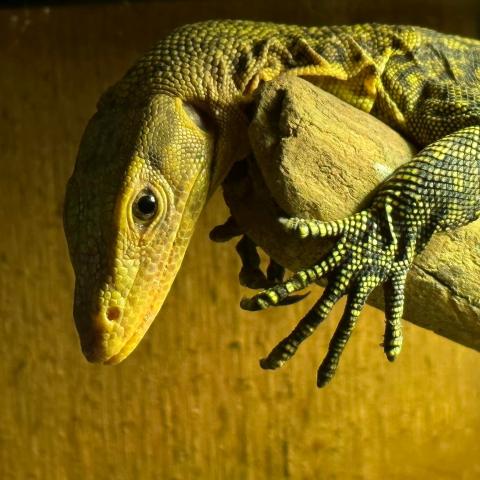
(165, 136)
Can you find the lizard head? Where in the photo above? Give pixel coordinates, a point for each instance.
(141, 179)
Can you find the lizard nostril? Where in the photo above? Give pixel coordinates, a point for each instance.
(113, 313)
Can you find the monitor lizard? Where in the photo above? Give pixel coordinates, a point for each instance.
(165, 136)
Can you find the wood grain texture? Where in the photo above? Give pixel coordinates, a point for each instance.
(191, 402)
(318, 157)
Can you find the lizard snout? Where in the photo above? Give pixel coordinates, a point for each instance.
(103, 336)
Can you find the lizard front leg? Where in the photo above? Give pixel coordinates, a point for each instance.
(438, 190)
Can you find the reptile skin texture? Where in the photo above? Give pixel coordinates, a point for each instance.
(164, 137)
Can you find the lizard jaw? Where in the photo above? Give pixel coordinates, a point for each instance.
(118, 326)
(131, 343)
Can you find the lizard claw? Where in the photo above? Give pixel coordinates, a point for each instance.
(368, 253)
(266, 299)
(292, 299)
(253, 278)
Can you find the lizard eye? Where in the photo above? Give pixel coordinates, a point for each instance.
(145, 206)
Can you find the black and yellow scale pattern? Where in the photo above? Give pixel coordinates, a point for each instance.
(423, 83)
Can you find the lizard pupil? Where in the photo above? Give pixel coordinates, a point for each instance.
(145, 205)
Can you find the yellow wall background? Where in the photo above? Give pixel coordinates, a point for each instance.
(191, 402)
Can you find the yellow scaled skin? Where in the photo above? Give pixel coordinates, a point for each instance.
(141, 259)
(175, 124)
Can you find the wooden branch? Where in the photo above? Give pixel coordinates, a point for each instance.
(318, 157)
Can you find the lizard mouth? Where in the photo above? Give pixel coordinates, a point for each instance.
(131, 342)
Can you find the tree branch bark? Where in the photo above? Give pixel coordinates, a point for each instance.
(316, 156)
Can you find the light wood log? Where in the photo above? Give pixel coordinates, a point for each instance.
(317, 156)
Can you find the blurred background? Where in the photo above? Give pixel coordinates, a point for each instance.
(191, 401)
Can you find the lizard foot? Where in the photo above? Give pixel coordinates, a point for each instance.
(226, 231)
(436, 191)
(368, 253)
(250, 275)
